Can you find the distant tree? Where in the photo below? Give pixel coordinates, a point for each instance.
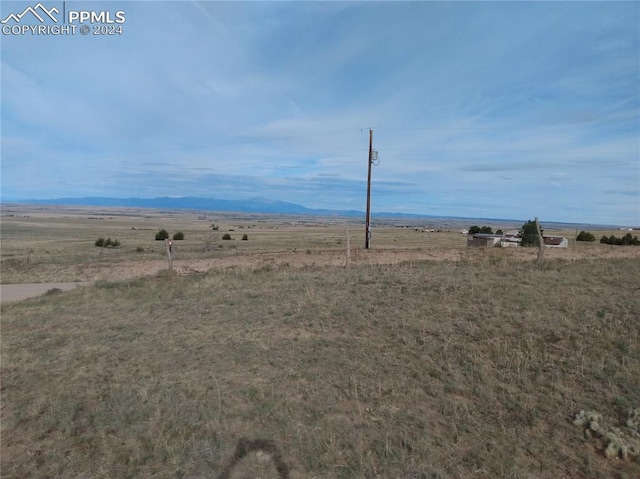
(99, 242)
(528, 234)
(179, 236)
(245, 237)
(107, 242)
(162, 235)
(475, 229)
(585, 236)
(226, 236)
(627, 239)
(499, 232)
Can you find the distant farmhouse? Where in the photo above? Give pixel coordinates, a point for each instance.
(510, 239)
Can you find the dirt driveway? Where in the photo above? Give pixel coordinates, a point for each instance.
(18, 292)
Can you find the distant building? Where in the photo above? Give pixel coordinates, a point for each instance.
(483, 240)
(556, 241)
(509, 240)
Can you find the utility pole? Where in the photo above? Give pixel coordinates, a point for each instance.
(367, 240)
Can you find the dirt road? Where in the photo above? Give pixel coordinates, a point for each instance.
(18, 292)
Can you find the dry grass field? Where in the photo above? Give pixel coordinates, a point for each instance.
(44, 244)
(423, 359)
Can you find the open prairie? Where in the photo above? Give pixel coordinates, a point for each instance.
(45, 244)
(422, 359)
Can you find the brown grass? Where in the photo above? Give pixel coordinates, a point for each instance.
(465, 369)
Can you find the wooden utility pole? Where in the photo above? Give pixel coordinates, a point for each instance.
(367, 240)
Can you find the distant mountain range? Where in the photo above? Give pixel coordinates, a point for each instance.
(257, 206)
(254, 205)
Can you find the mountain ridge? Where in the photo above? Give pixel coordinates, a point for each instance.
(253, 205)
(256, 205)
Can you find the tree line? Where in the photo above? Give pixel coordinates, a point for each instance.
(626, 240)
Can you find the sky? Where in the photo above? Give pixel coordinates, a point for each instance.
(478, 109)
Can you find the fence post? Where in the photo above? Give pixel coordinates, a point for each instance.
(540, 242)
(167, 244)
(348, 258)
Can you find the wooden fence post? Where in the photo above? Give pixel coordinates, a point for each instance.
(540, 242)
(348, 257)
(167, 244)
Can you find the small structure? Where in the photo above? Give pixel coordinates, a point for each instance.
(484, 240)
(509, 240)
(556, 241)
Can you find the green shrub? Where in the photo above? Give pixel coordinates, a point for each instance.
(529, 234)
(139, 249)
(245, 237)
(226, 236)
(178, 236)
(626, 240)
(162, 235)
(477, 229)
(585, 236)
(107, 243)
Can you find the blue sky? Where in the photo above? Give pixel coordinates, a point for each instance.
(479, 109)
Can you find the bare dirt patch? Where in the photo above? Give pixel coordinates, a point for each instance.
(17, 292)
